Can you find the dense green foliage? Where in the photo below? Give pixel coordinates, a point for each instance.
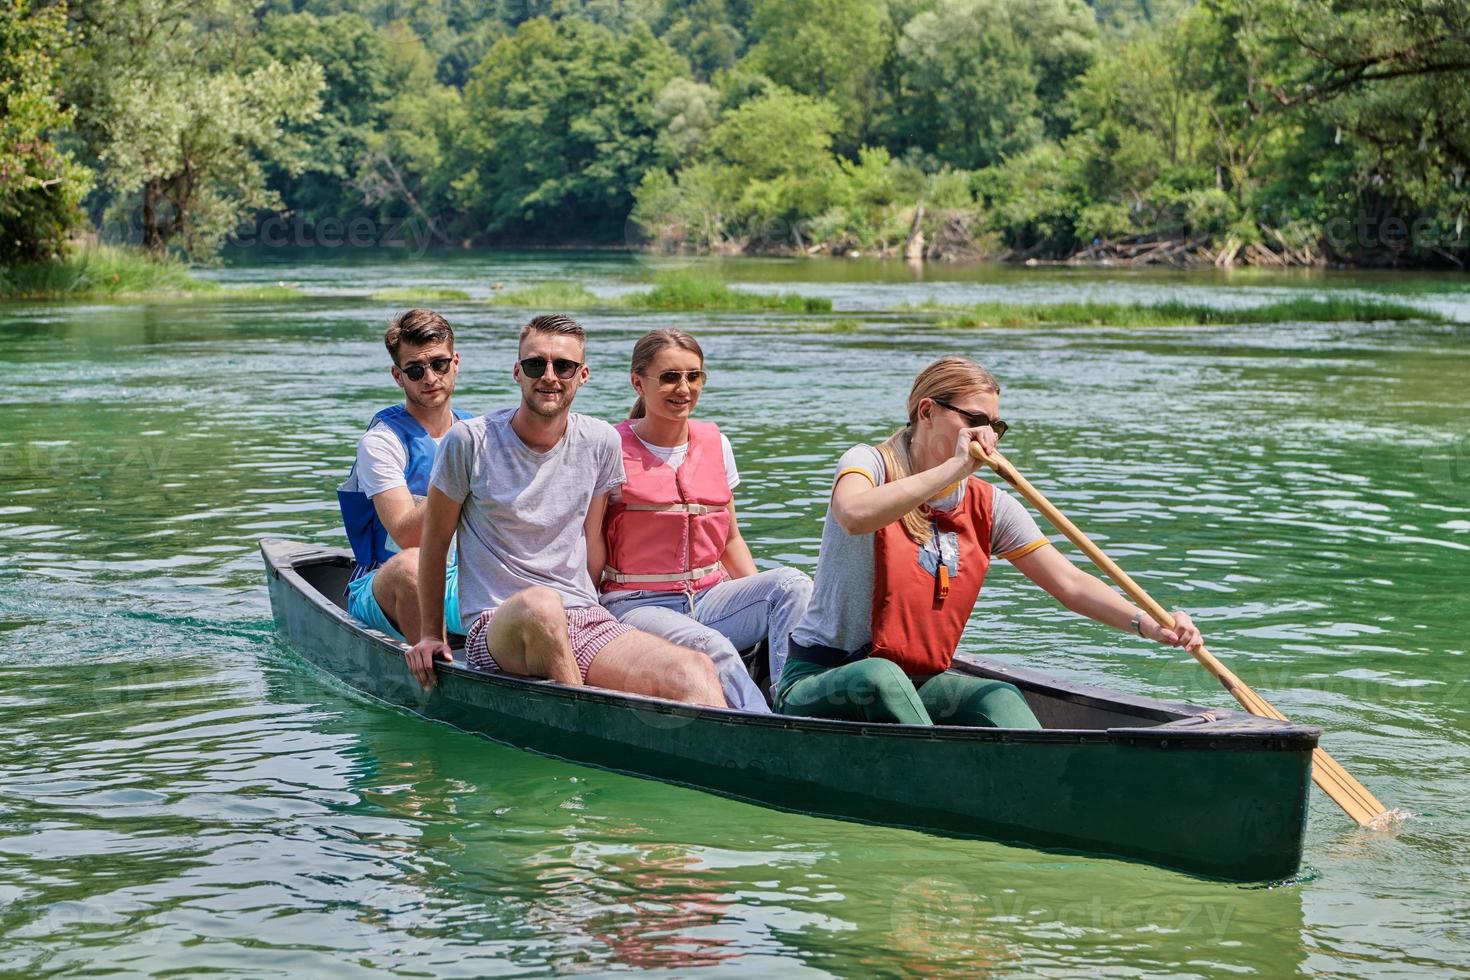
(182, 119)
(1264, 131)
(40, 185)
(559, 128)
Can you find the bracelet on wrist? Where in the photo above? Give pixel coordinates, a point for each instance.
(1136, 624)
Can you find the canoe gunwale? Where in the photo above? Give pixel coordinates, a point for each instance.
(1181, 725)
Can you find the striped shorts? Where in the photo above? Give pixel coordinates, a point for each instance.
(590, 628)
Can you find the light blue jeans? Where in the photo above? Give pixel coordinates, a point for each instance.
(727, 618)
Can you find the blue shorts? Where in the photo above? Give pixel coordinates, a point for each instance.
(363, 605)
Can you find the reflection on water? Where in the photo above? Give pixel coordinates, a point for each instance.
(181, 793)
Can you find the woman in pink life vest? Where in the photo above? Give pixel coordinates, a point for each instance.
(671, 560)
(908, 537)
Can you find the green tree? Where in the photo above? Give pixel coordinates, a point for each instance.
(685, 111)
(402, 170)
(968, 84)
(1145, 151)
(353, 56)
(707, 32)
(183, 117)
(682, 210)
(827, 49)
(1122, 18)
(560, 125)
(1062, 37)
(768, 168)
(1385, 84)
(41, 186)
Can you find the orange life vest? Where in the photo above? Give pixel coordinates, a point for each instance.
(668, 531)
(922, 597)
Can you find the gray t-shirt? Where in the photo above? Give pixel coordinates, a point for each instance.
(523, 515)
(840, 613)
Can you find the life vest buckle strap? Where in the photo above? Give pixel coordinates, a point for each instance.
(694, 509)
(611, 574)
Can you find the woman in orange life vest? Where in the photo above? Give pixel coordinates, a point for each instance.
(908, 536)
(671, 559)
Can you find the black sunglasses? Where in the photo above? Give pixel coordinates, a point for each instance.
(535, 367)
(975, 420)
(416, 369)
(671, 379)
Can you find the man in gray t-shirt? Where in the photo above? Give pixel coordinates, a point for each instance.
(520, 486)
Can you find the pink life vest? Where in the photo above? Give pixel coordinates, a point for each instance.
(668, 531)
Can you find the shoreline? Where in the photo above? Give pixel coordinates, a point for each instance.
(111, 273)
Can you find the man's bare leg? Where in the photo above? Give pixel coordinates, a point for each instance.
(641, 663)
(396, 589)
(528, 636)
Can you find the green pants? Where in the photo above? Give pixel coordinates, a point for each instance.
(879, 690)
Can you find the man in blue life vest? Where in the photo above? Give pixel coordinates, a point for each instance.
(383, 498)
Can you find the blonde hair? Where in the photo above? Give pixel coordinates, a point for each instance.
(649, 346)
(947, 378)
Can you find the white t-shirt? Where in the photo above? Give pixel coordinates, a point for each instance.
(382, 464)
(675, 456)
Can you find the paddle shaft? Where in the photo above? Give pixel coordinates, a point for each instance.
(1354, 798)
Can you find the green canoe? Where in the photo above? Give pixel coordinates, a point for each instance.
(1221, 794)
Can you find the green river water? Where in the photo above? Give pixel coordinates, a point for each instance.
(179, 793)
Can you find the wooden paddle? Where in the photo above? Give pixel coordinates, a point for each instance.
(1329, 776)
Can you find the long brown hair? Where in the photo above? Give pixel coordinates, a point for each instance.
(649, 346)
(947, 378)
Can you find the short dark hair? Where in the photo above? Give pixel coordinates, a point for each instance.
(419, 328)
(554, 323)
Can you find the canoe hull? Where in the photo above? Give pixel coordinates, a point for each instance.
(1220, 799)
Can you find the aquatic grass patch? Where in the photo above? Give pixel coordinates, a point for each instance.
(685, 290)
(1173, 313)
(671, 291)
(554, 294)
(99, 271)
(844, 325)
(215, 292)
(413, 295)
(110, 272)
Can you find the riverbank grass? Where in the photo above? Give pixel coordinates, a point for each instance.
(671, 291)
(684, 290)
(109, 272)
(554, 294)
(416, 296)
(1174, 314)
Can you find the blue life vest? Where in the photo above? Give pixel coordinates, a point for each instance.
(368, 536)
